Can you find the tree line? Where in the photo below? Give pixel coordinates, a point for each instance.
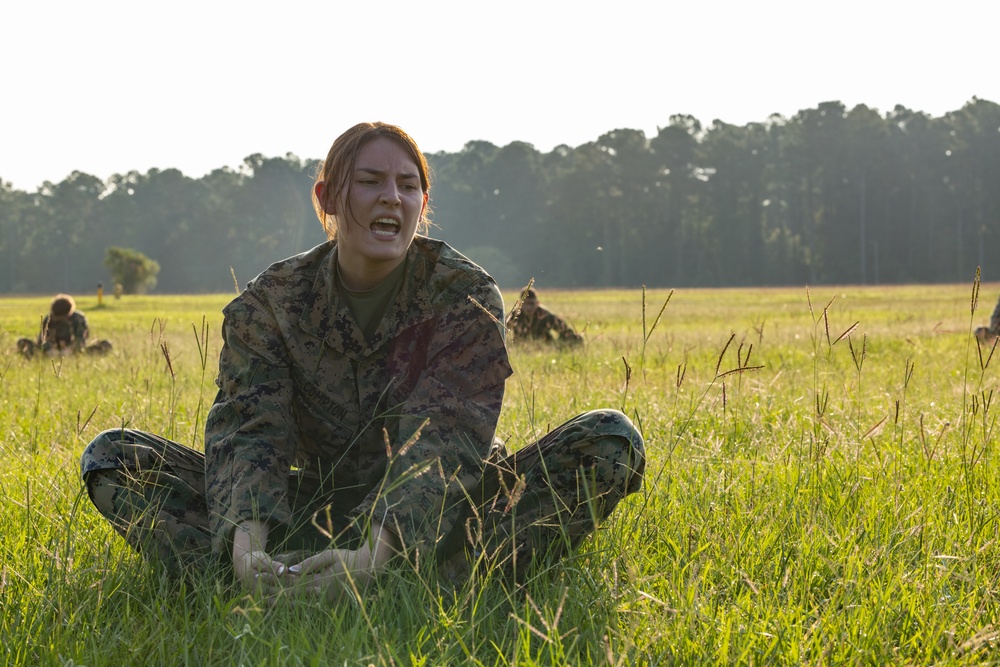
(829, 196)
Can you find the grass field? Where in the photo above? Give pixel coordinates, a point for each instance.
(811, 497)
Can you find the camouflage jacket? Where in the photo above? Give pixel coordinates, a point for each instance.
(64, 332)
(995, 319)
(542, 325)
(300, 387)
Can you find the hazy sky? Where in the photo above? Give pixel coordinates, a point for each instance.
(110, 86)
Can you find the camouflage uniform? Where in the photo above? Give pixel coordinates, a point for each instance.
(988, 334)
(68, 333)
(543, 325)
(61, 333)
(318, 431)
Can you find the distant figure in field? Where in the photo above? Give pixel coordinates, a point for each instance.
(533, 321)
(987, 335)
(64, 330)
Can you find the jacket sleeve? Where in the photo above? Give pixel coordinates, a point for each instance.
(446, 426)
(249, 432)
(81, 331)
(565, 331)
(552, 323)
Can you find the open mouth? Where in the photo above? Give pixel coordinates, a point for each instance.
(386, 227)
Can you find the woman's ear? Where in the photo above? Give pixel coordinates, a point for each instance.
(321, 197)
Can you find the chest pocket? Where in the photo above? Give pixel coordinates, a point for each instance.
(336, 408)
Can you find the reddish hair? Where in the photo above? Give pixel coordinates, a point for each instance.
(335, 172)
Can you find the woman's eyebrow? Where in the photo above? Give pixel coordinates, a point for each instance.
(381, 172)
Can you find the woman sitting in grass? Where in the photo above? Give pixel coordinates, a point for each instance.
(360, 384)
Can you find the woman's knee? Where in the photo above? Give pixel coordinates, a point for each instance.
(621, 449)
(614, 423)
(104, 451)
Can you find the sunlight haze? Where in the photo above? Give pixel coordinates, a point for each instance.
(111, 86)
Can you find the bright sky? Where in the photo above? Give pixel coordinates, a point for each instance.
(110, 86)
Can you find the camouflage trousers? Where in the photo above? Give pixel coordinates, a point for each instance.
(536, 504)
(28, 348)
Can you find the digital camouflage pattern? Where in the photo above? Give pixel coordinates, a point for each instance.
(396, 428)
(543, 325)
(987, 335)
(152, 491)
(534, 505)
(541, 501)
(318, 431)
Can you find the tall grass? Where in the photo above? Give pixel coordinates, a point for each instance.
(819, 490)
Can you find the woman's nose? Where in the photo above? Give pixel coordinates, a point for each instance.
(390, 194)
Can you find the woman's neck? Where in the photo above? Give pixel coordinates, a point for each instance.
(366, 276)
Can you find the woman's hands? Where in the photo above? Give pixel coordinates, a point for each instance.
(252, 565)
(329, 572)
(325, 574)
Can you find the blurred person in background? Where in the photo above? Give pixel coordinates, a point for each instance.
(533, 321)
(64, 331)
(988, 335)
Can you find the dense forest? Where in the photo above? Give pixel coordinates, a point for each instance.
(829, 196)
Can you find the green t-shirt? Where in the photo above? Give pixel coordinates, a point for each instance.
(369, 306)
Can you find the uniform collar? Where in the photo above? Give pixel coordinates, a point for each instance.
(326, 315)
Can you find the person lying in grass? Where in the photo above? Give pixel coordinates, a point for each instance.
(360, 384)
(530, 320)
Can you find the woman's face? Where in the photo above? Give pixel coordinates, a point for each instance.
(378, 213)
